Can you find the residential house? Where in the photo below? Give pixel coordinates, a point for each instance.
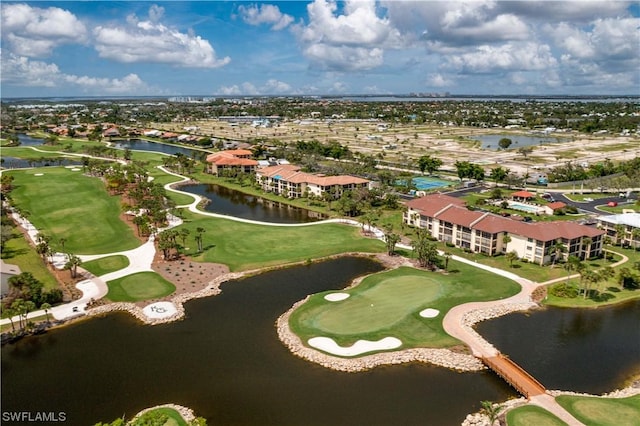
(449, 220)
(238, 160)
(523, 196)
(289, 181)
(553, 208)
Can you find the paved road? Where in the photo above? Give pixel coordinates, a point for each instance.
(590, 206)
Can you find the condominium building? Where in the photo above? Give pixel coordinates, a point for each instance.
(289, 181)
(449, 220)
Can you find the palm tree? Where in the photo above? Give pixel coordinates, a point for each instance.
(621, 232)
(512, 256)
(491, 410)
(572, 264)
(199, 232)
(72, 264)
(447, 257)
(586, 246)
(10, 312)
(591, 277)
(558, 248)
(45, 307)
(635, 237)
(391, 239)
(506, 239)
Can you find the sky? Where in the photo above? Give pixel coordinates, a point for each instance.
(319, 47)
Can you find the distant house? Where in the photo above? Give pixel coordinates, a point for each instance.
(111, 132)
(289, 181)
(448, 220)
(238, 160)
(7, 271)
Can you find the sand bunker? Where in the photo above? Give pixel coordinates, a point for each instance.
(328, 345)
(160, 310)
(429, 313)
(336, 297)
(75, 170)
(38, 174)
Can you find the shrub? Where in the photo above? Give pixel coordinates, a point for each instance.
(564, 290)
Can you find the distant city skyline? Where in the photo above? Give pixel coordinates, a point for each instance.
(320, 47)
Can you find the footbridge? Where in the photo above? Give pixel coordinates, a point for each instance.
(515, 375)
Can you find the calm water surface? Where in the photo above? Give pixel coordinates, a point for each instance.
(234, 203)
(583, 350)
(226, 362)
(142, 145)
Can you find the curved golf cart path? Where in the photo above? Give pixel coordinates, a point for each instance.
(457, 322)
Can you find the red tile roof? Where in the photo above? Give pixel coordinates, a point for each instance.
(523, 194)
(451, 209)
(431, 204)
(224, 158)
(291, 173)
(556, 205)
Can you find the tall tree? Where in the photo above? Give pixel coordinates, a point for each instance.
(511, 256)
(498, 174)
(429, 164)
(199, 232)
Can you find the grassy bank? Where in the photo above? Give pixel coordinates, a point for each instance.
(244, 246)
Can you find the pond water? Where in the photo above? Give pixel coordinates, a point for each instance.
(235, 203)
(143, 145)
(26, 140)
(583, 350)
(16, 163)
(518, 141)
(226, 362)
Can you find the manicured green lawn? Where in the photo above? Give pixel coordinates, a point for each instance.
(595, 411)
(389, 303)
(139, 286)
(609, 292)
(106, 265)
(531, 415)
(244, 246)
(18, 252)
(66, 204)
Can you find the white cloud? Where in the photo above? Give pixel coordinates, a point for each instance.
(265, 14)
(22, 71)
(270, 87)
(506, 57)
(354, 40)
(35, 32)
(439, 80)
(150, 41)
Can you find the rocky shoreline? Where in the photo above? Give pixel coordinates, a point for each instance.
(187, 413)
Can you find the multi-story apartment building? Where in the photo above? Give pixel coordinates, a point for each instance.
(289, 181)
(449, 220)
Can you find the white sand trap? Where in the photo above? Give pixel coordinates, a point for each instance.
(69, 167)
(336, 297)
(429, 313)
(329, 345)
(38, 174)
(160, 310)
(75, 170)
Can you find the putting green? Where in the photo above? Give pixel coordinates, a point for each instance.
(139, 286)
(381, 306)
(388, 304)
(603, 411)
(531, 415)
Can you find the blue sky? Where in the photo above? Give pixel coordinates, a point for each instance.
(207, 48)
